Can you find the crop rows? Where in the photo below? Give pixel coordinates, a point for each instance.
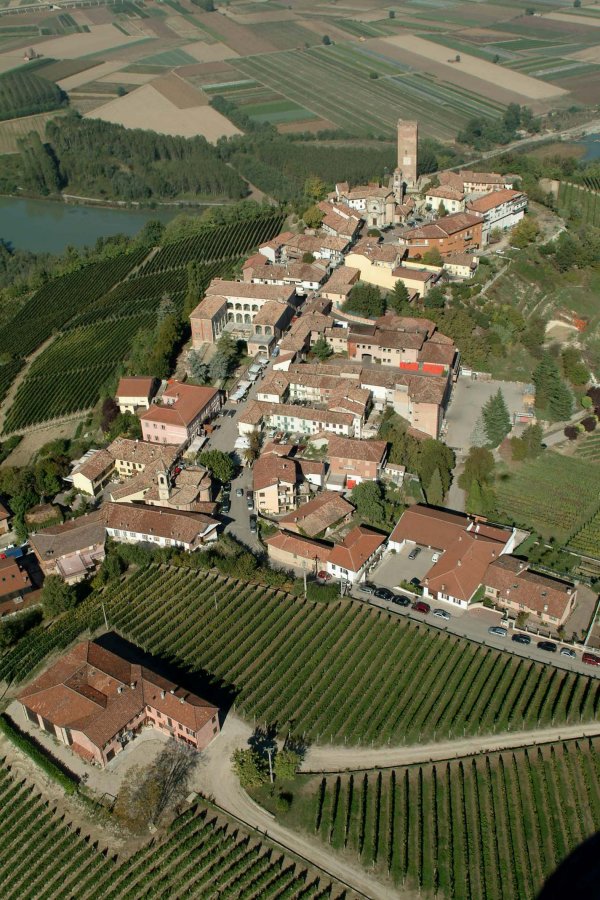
(199, 856)
(552, 494)
(220, 242)
(341, 673)
(50, 308)
(581, 202)
(8, 373)
(67, 377)
(587, 540)
(495, 826)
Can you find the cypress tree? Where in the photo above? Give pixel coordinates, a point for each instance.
(496, 419)
(435, 490)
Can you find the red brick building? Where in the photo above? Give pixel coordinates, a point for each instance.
(458, 233)
(95, 702)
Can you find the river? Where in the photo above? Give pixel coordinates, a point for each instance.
(591, 142)
(46, 225)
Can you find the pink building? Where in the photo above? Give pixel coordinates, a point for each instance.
(95, 702)
(184, 408)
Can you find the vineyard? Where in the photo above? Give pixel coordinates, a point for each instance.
(581, 202)
(219, 242)
(25, 93)
(552, 494)
(587, 540)
(343, 673)
(494, 826)
(42, 855)
(99, 310)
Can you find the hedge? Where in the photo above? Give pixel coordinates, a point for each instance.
(31, 748)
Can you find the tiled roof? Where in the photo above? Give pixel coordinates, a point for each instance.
(461, 259)
(414, 274)
(318, 514)
(278, 241)
(350, 448)
(97, 692)
(493, 199)
(156, 521)
(271, 469)
(209, 307)
(357, 547)
(4, 513)
(444, 227)
(135, 386)
(515, 582)
(70, 537)
(95, 465)
(299, 546)
(189, 402)
(12, 577)
(309, 243)
(142, 453)
(461, 567)
(446, 193)
(249, 291)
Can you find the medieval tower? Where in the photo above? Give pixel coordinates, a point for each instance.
(405, 176)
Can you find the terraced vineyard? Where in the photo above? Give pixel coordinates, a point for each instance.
(580, 201)
(100, 310)
(342, 673)
(587, 540)
(200, 856)
(494, 826)
(552, 494)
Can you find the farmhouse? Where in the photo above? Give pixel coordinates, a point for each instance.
(457, 233)
(512, 585)
(181, 414)
(465, 546)
(96, 702)
(348, 561)
(135, 392)
(461, 265)
(499, 210)
(316, 516)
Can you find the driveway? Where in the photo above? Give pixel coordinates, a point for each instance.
(468, 399)
(397, 567)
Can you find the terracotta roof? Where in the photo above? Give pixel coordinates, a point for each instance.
(299, 546)
(442, 354)
(143, 453)
(414, 274)
(341, 277)
(493, 199)
(461, 259)
(367, 190)
(155, 521)
(12, 577)
(444, 227)
(278, 241)
(484, 177)
(135, 386)
(259, 409)
(351, 448)
(515, 582)
(446, 193)
(309, 243)
(432, 527)
(95, 465)
(70, 537)
(400, 340)
(462, 566)
(358, 546)
(249, 291)
(181, 404)
(318, 514)
(209, 307)
(275, 383)
(271, 314)
(95, 691)
(271, 469)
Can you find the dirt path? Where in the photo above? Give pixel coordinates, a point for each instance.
(338, 759)
(12, 391)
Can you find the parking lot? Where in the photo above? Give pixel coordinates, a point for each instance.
(397, 567)
(468, 399)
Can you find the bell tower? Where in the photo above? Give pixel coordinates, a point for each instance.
(164, 488)
(408, 133)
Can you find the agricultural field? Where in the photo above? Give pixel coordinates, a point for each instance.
(26, 94)
(99, 310)
(554, 495)
(584, 201)
(13, 129)
(200, 855)
(494, 826)
(339, 673)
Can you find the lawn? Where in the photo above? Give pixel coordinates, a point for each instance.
(554, 495)
(495, 826)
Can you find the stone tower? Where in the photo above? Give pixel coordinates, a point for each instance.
(407, 152)
(164, 487)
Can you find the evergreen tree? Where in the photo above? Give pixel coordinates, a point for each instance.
(552, 396)
(397, 299)
(561, 402)
(496, 419)
(321, 349)
(365, 300)
(435, 490)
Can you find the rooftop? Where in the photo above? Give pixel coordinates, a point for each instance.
(540, 593)
(493, 199)
(299, 546)
(318, 514)
(356, 549)
(135, 386)
(350, 448)
(209, 307)
(249, 291)
(181, 404)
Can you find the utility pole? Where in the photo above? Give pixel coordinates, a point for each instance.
(104, 611)
(270, 754)
(305, 584)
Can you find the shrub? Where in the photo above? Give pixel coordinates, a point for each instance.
(37, 753)
(283, 801)
(322, 593)
(586, 402)
(589, 423)
(571, 432)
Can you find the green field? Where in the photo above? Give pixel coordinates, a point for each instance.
(97, 313)
(339, 673)
(200, 855)
(349, 97)
(580, 201)
(169, 59)
(277, 111)
(494, 827)
(554, 495)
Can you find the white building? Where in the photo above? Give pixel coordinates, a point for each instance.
(499, 209)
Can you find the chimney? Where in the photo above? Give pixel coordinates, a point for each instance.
(182, 699)
(163, 694)
(172, 691)
(120, 689)
(459, 563)
(132, 685)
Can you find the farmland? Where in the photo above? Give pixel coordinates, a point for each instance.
(25, 94)
(494, 826)
(342, 673)
(552, 494)
(579, 201)
(98, 311)
(200, 855)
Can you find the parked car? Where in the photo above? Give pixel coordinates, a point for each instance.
(253, 524)
(400, 600)
(421, 607)
(416, 582)
(566, 651)
(383, 593)
(442, 614)
(521, 638)
(239, 492)
(226, 505)
(590, 659)
(497, 630)
(323, 576)
(249, 501)
(435, 557)
(548, 647)
(367, 588)
(414, 553)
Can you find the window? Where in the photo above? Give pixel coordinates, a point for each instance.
(169, 722)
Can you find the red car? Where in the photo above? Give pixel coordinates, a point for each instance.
(323, 576)
(421, 607)
(591, 659)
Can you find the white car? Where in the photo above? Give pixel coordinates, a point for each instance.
(566, 651)
(441, 614)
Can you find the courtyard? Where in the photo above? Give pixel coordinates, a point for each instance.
(468, 399)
